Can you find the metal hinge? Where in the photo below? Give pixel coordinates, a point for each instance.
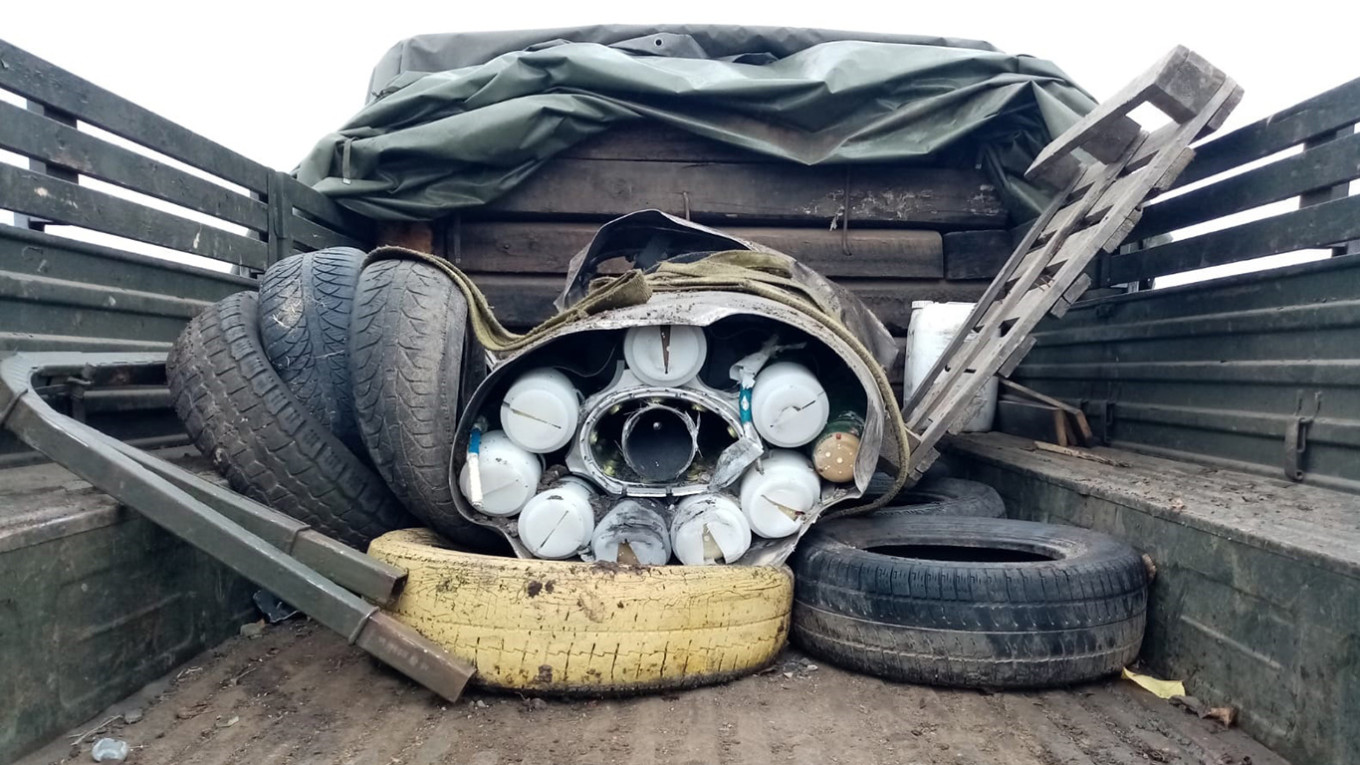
(1296, 436)
(75, 389)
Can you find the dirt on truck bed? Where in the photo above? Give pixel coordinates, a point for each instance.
(298, 694)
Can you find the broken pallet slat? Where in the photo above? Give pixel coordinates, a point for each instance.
(940, 400)
(925, 389)
(1180, 85)
(1083, 427)
(1114, 194)
(1048, 278)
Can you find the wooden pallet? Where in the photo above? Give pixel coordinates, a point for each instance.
(1107, 165)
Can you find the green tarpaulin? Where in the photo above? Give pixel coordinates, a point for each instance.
(433, 142)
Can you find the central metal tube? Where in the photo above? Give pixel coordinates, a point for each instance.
(659, 442)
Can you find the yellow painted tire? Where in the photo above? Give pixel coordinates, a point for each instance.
(559, 627)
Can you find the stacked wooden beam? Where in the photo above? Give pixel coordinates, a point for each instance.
(892, 233)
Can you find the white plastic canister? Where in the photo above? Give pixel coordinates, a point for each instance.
(640, 524)
(788, 404)
(665, 355)
(709, 527)
(508, 473)
(541, 410)
(929, 332)
(558, 523)
(777, 490)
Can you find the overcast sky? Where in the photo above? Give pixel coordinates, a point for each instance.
(268, 79)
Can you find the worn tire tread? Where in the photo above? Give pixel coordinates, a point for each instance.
(572, 628)
(941, 495)
(1001, 625)
(305, 308)
(261, 438)
(406, 353)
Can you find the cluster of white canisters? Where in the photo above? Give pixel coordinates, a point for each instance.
(656, 464)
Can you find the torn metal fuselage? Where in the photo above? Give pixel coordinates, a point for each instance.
(721, 408)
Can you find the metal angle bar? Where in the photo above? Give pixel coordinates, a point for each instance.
(373, 579)
(82, 450)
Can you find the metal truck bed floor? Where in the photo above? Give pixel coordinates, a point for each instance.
(298, 694)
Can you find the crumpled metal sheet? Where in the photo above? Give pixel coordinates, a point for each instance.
(649, 237)
(700, 309)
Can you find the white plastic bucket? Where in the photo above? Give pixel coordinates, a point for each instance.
(929, 332)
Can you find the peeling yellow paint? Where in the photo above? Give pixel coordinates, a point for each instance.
(570, 627)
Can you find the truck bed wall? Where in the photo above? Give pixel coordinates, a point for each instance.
(1258, 372)
(1220, 372)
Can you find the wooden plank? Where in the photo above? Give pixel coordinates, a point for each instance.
(312, 204)
(417, 235)
(1079, 454)
(31, 193)
(652, 141)
(1185, 85)
(47, 168)
(1316, 226)
(1118, 190)
(1076, 245)
(975, 254)
(728, 193)
(891, 299)
(1154, 143)
(60, 292)
(1327, 193)
(546, 248)
(308, 235)
(877, 253)
(55, 257)
(1071, 295)
(913, 409)
(32, 135)
(949, 395)
(1180, 84)
(1027, 304)
(1030, 419)
(1078, 416)
(1008, 366)
(38, 80)
(1327, 165)
(1320, 114)
(524, 300)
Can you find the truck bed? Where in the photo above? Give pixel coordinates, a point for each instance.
(298, 694)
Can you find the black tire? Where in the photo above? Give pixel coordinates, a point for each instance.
(305, 303)
(941, 496)
(257, 434)
(914, 612)
(406, 360)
